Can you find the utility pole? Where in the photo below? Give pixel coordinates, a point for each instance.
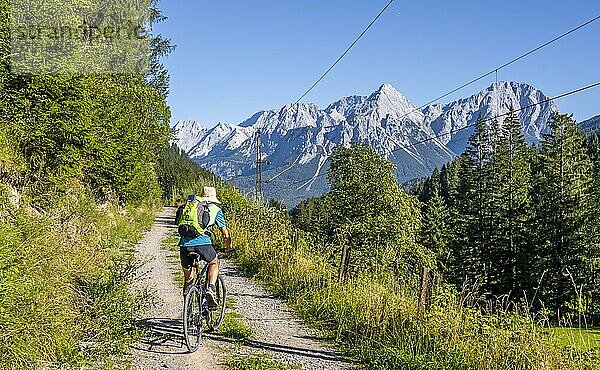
(258, 184)
(259, 163)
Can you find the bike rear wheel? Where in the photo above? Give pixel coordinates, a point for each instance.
(215, 316)
(192, 318)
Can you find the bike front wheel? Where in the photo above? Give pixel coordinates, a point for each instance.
(215, 316)
(192, 318)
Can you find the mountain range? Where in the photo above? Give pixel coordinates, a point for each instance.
(297, 139)
(591, 125)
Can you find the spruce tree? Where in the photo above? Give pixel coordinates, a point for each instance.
(593, 149)
(449, 183)
(450, 187)
(436, 232)
(428, 188)
(563, 200)
(510, 208)
(473, 205)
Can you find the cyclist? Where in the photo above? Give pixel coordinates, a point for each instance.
(200, 215)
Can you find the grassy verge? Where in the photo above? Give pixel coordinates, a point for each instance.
(257, 362)
(233, 327)
(374, 317)
(64, 275)
(170, 244)
(582, 339)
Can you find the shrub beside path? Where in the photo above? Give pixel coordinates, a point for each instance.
(278, 334)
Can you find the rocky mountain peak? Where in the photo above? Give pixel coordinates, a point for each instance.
(298, 138)
(189, 133)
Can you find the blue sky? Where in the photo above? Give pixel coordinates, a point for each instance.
(234, 58)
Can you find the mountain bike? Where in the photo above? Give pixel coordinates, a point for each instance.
(196, 312)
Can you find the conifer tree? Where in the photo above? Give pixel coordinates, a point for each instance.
(473, 205)
(430, 186)
(510, 208)
(593, 148)
(449, 183)
(564, 224)
(436, 231)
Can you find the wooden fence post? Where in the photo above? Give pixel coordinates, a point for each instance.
(425, 290)
(344, 260)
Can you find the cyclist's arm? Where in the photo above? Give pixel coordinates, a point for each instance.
(220, 222)
(226, 239)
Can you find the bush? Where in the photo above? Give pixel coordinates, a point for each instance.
(63, 282)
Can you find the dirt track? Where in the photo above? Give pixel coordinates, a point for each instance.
(278, 333)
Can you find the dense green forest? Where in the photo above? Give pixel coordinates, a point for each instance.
(519, 221)
(178, 175)
(78, 186)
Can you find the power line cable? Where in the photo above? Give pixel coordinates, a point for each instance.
(572, 92)
(404, 147)
(479, 78)
(591, 86)
(495, 70)
(301, 181)
(345, 52)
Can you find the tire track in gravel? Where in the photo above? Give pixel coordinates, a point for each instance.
(279, 334)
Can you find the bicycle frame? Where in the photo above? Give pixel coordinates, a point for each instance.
(195, 298)
(201, 287)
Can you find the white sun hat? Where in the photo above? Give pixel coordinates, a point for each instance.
(209, 195)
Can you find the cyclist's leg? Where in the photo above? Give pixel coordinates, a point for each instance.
(186, 265)
(213, 271)
(188, 278)
(208, 254)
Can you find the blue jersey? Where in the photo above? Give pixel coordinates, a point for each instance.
(203, 239)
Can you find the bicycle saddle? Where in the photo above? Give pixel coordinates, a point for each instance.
(193, 255)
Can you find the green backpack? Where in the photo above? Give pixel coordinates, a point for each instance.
(193, 219)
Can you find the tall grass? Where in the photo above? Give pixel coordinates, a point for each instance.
(64, 275)
(374, 317)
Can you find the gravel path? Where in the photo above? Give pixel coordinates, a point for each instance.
(279, 334)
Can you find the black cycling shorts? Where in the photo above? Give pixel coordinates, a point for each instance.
(206, 252)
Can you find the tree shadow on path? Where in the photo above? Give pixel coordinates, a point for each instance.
(168, 222)
(323, 355)
(163, 336)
